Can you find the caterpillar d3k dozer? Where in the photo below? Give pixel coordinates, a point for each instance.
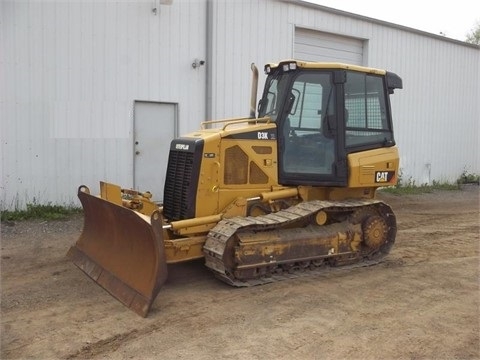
(261, 198)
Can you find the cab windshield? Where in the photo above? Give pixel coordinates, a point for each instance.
(274, 95)
(303, 105)
(306, 98)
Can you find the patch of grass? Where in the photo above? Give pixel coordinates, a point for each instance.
(410, 188)
(416, 190)
(42, 212)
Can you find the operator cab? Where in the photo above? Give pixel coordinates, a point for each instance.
(323, 112)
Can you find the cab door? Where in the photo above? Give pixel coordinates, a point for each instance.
(311, 152)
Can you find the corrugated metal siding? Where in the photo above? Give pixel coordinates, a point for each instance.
(70, 74)
(436, 115)
(243, 32)
(71, 71)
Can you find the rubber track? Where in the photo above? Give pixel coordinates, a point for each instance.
(219, 236)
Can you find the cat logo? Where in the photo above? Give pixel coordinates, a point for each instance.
(262, 135)
(384, 176)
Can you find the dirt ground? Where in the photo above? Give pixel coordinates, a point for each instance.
(422, 302)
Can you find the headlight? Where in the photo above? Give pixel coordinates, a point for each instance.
(289, 66)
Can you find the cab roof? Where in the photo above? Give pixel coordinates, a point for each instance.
(325, 65)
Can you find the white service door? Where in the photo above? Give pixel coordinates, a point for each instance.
(155, 125)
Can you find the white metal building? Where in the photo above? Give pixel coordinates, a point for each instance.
(96, 90)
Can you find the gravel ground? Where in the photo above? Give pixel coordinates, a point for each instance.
(422, 302)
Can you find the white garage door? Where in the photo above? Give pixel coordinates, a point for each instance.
(311, 45)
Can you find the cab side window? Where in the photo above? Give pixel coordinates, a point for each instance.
(366, 118)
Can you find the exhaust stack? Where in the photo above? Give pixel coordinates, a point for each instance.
(253, 96)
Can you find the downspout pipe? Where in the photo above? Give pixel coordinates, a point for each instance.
(210, 60)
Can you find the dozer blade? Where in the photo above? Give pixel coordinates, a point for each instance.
(122, 251)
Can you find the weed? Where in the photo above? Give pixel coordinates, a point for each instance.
(43, 212)
(468, 178)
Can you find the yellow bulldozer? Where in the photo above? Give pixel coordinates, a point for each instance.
(288, 189)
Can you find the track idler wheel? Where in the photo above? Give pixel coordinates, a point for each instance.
(375, 231)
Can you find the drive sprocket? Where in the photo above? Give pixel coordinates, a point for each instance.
(375, 231)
